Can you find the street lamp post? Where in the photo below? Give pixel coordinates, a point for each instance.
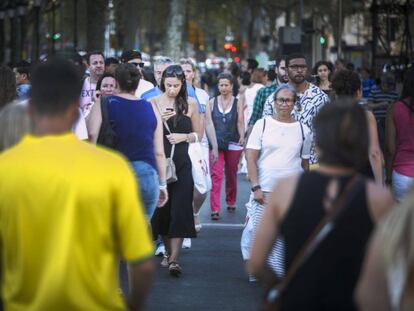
(339, 29)
(37, 5)
(2, 18)
(11, 12)
(53, 26)
(75, 25)
(21, 13)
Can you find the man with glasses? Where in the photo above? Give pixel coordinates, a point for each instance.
(310, 98)
(135, 57)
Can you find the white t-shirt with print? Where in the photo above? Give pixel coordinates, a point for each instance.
(280, 145)
(87, 95)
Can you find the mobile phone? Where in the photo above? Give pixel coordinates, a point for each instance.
(169, 109)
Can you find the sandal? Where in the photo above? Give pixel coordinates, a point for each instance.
(199, 225)
(231, 208)
(164, 261)
(215, 216)
(174, 268)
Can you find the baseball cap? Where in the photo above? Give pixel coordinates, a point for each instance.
(130, 54)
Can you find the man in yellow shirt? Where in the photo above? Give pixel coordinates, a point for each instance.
(68, 211)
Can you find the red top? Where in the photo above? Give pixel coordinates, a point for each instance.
(404, 152)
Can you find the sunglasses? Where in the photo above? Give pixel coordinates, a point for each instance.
(141, 65)
(174, 70)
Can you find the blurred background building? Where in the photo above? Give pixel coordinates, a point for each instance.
(371, 33)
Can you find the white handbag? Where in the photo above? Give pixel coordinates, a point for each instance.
(200, 167)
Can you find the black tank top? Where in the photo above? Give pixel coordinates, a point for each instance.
(328, 278)
(225, 125)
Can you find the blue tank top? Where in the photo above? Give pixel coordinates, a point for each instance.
(134, 123)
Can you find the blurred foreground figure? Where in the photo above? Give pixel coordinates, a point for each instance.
(14, 123)
(325, 279)
(68, 211)
(387, 279)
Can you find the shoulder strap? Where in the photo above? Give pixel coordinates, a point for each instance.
(104, 108)
(164, 122)
(167, 127)
(322, 230)
(303, 139)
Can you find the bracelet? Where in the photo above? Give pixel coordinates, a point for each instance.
(163, 183)
(163, 187)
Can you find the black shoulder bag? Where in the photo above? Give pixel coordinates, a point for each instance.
(107, 134)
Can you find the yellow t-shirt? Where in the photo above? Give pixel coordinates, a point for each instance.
(68, 211)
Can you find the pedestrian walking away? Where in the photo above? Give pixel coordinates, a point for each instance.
(79, 200)
(325, 267)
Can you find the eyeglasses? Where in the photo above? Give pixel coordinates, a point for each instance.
(298, 67)
(287, 101)
(141, 65)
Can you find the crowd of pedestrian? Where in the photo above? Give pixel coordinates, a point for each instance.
(106, 159)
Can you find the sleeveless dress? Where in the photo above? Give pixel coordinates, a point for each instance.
(327, 279)
(176, 219)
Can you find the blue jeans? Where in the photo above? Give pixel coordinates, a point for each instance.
(147, 178)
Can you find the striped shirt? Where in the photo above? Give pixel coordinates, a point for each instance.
(379, 96)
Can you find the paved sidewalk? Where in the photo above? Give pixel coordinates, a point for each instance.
(214, 275)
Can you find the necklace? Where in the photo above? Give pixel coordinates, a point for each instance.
(224, 108)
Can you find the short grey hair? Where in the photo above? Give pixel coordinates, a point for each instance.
(286, 86)
(163, 60)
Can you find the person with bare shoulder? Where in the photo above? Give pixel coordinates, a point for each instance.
(326, 278)
(226, 113)
(175, 221)
(387, 277)
(347, 84)
(399, 140)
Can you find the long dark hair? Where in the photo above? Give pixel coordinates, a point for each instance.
(181, 102)
(315, 70)
(407, 95)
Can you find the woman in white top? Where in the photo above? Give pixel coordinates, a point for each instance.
(278, 146)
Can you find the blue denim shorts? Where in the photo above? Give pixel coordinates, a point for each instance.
(147, 178)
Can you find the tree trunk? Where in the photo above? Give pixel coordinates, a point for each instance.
(174, 46)
(96, 11)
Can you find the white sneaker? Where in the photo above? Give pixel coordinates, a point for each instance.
(252, 278)
(160, 250)
(187, 243)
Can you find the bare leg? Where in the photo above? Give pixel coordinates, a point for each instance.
(167, 243)
(197, 203)
(176, 245)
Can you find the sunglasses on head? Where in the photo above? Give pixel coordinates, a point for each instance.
(141, 65)
(174, 70)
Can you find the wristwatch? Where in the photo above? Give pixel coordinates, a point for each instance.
(255, 188)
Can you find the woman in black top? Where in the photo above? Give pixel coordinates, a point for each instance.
(226, 113)
(322, 72)
(327, 278)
